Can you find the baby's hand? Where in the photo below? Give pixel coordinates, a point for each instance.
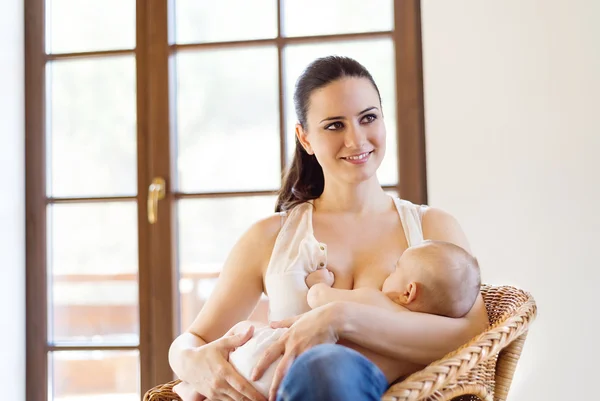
(320, 276)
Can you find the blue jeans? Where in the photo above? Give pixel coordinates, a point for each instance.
(331, 372)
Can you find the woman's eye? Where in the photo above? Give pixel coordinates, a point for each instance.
(334, 126)
(369, 118)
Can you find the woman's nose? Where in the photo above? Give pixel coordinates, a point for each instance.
(355, 137)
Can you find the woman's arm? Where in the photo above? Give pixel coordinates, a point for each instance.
(415, 337)
(237, 291)
(240, 282)
(410, 336)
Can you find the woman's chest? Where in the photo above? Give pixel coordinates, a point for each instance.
(361, 253)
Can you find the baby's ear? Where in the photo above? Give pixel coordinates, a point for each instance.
(410, 293)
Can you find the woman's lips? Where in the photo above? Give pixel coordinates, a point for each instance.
(360, 158)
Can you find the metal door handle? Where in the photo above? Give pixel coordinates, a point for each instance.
(156, 192)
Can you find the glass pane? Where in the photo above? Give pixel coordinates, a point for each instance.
(195, 289)
(92, 133)
(377, 55)
(93, 287)
(228, 120)
(89, 25)
(198, 21)
(330, 17)
(94, 376)
(208, 229)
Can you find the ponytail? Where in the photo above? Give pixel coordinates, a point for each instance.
(304, 181)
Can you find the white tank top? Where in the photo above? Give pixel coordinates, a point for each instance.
(297, 253)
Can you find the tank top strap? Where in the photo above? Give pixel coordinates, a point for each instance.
(282, 217)
(295, 229)
(411, 218)
(293, 222)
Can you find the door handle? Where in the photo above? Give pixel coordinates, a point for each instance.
(156, 192)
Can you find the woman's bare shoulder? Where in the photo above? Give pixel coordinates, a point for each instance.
(442, 226)
(260, 237)
(266, 228)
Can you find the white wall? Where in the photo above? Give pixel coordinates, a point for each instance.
(12, 201)
(512, 98)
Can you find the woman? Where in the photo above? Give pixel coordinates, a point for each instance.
(334, 213)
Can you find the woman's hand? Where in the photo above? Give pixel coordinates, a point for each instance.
(305, 331)
(211, 374)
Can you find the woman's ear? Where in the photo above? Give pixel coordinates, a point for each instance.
(302, 137)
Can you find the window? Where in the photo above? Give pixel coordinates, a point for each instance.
(123, 96)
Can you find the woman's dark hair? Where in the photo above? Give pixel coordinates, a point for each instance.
(304, 180)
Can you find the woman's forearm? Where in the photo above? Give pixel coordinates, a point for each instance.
(178, 351)
(409, 336)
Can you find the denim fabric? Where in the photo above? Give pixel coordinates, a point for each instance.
(331, 372)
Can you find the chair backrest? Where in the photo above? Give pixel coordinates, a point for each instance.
(504, 302)
(506, 366)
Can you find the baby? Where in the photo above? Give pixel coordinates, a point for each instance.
(434, 277)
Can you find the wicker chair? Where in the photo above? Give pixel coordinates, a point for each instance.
(480, 370)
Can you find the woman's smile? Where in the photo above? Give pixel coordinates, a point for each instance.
(360, 158)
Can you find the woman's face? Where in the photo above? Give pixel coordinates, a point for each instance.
(345, 129)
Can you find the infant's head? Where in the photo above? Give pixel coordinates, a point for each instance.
(435, 277)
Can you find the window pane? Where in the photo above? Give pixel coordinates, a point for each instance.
(92, 133)
(195, 288)
(228, 120)
(377, 55)
(200, 21)
(94, 376)
(208, 229)
(329, 17)
(93, 287)
(89, 25)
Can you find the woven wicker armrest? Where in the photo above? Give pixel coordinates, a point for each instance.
(483, 367)
(164, 392)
